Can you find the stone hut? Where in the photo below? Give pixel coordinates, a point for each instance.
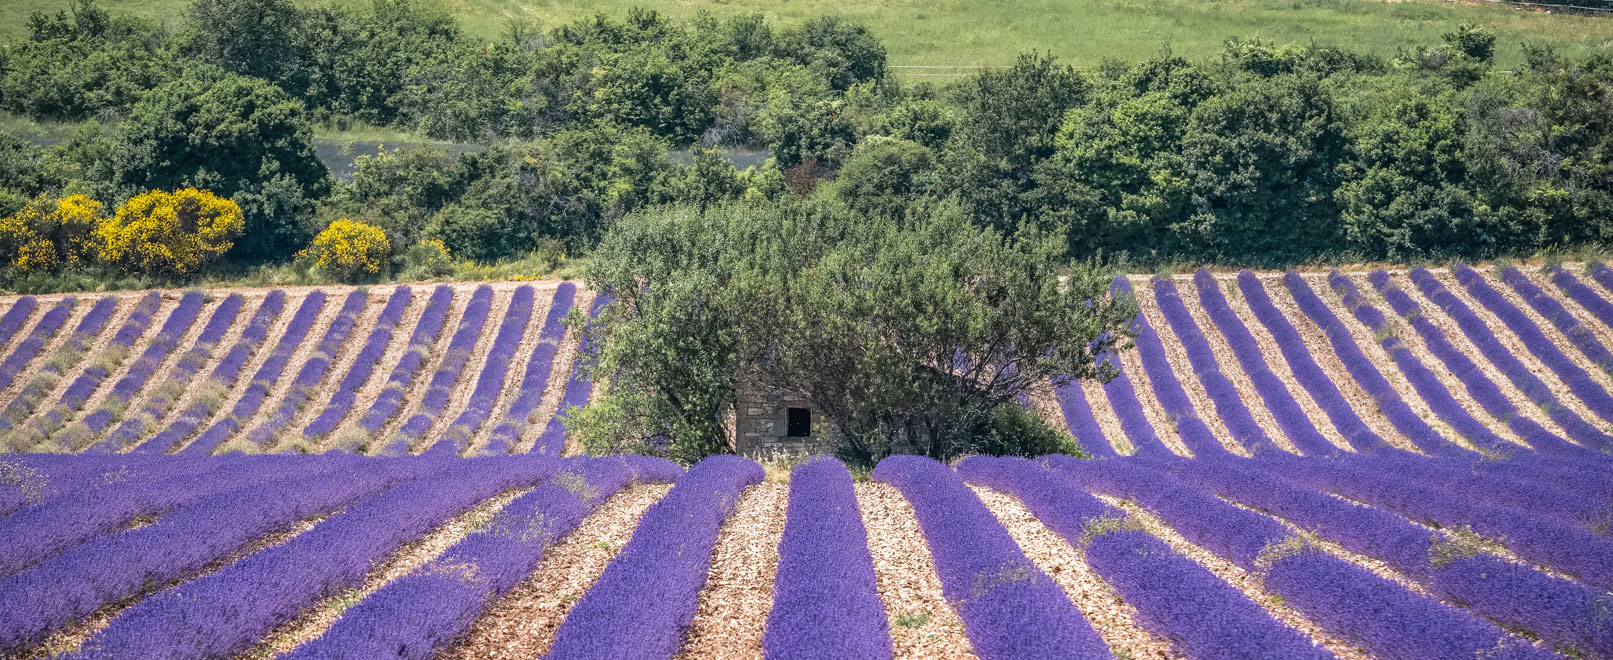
(769, 422)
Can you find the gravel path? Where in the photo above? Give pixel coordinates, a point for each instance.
(733, 606)
(1113, 619)
(922, 623)
(315, 620)
(521, 625)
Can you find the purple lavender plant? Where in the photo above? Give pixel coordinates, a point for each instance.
(1290, 417)
(1379, 615)
(1009, 608)
(225, 612)
(1365, 373)
(312, 371)
(1478, 385)
(81, 433)
(1195, 434)
(1174, 596)
(161, 399)
(68, 587)
(457, 437)
(15, 316)
(825, 599)
(267, 373)
(402, 376)
(359, 372)
(1424, 381)
(30, 345)
(419, 614)
(640, 606)
(448, 370)
(222, 378)
(1580, 336)
(1229, 405)
(1478, 332)
(1078, 418)
(66, 357)
(1579, 382)
(535, 380)
(579, 389)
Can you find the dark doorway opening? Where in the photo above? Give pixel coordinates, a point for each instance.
(798, 422)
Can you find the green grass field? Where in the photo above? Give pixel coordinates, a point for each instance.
(1083, 32)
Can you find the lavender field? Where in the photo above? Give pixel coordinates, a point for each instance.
(1402, 464)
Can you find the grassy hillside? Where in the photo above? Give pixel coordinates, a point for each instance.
(947, 32)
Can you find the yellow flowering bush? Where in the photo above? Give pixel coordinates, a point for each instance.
(48, 234)
(427, 259)
(348, 248)
(173, 233)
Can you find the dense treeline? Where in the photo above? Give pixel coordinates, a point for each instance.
(1270, 154)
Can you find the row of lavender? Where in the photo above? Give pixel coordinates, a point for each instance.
(1550, 582)
(138, 412)
(1572, 436)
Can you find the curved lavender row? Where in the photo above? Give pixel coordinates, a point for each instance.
(579, 389)
(267, 373)
(1384, 618)
(1079, 420)
(1577, 379)
(80, 434)
(358, 373)
(390, 399)
(1423, 381)
(1578, 335)
(39, 532)
(1129, 410)
(70, 586)
(1574, 551)
(1483, 390)
(1195, 434)
(1009, 607)
(1174, 596)
(13, 319)
(30, 345)
(226, 612)
(1569, 494)
(34, 436)
(1566, 614)
(825, 598)
(1525, 380)
(641, 604)
(30, 480)
(1229, 405)
(1584, 295)
(1290, 417)
(219, 382)
(456, 438)
(311, 373)
(535, 380)
(1367, 375)
(66, 356)
(420, 613)
(1309, 374)
(160, 400)
(448, 372)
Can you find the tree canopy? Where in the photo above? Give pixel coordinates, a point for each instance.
(908, 333)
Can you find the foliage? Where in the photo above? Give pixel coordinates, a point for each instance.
(425, 260)
(50, 234)
(903, 331)
(884, 174)
(162, 233)
(348, 249)
(238, 137)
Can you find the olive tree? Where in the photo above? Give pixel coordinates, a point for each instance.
(905, 332)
